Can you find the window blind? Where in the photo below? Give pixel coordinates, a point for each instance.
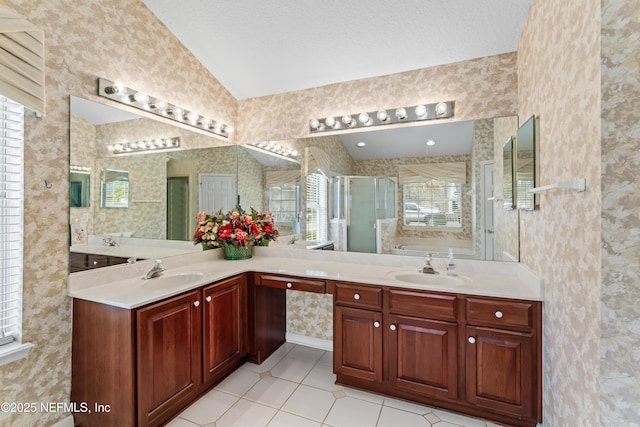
(11, 218)
(21, 60)
(317, 207)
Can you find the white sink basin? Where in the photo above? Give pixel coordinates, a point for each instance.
(428, 279)
(173, 280)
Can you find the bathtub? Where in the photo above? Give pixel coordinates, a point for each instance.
(440, 249)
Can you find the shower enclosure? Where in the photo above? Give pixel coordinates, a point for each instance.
(361, 210)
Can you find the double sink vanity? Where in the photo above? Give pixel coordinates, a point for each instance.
(147, 348)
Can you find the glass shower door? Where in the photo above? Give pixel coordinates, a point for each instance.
(361, 215)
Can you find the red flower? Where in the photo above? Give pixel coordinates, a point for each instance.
(225, 232)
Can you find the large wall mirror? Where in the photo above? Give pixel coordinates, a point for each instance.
(330, 174)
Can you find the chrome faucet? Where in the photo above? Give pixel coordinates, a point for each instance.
(110, 241)
(156, 271)
(293, 240)
(428, 268)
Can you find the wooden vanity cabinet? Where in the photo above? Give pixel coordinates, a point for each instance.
(151, 362)
(503, 356)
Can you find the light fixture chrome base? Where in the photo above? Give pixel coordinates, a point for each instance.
(416, 113)
(131, 97)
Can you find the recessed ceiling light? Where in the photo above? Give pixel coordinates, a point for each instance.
(361, 144)
(431, 143)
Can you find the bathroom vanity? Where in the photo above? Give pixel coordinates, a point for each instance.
(147, 348)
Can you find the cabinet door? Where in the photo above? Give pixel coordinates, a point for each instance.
(358, 343)
(500, 370)
(222, 327)
(423, 356)
(169, 356)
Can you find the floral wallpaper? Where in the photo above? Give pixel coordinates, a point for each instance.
(559, 59)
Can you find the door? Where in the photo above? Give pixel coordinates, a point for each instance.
(499, 367)
(222, 327)
(178, 209)
(358, 343)
(423, 356)
(168, 356)
(488, 201)
(217, 192)
(361, 219)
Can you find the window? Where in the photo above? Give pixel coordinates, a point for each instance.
(283, 202)
(115, 189)
(317, 209)
(11, 229)
(433, 203)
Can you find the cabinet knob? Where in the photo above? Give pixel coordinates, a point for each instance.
(95, 262)
(472, 340)
(208, 298)
(356, 296)
(499, 314)
(289, 285)
(196, 303)
(376, 324)
(392, 327)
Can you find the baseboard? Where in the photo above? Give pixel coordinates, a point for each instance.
(65, 422)
(309, 341)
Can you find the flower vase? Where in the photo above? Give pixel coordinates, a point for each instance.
(232, 252)
(207, 246)
(263, 242)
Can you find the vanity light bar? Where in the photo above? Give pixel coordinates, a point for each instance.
(80, 169)
(152, 144)
(416, 113)
(276, 148)
(124, 95)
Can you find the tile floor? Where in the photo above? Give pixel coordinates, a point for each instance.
(295, 388)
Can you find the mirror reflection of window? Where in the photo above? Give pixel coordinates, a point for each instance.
(508, 174)
(114, 189)
(317, 207)
(433, 204)
(284, 202)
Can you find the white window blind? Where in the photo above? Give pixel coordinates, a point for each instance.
(433, 203)
(11, 218)
(317, 207)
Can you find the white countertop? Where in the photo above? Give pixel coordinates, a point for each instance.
(130, 247)
(123, 286)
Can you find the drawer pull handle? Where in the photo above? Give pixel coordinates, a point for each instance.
(376, 324)
(499, 314)
(472, 340)
(289, 285)
(196, 303)
(392, 327)
(208, 298)
(356, 296)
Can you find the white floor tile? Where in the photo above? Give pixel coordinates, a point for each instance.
(306, 353)
(350, 412)
(179, 422)
(322, 376)
(264, 366)
(310, 402)
(245, 413)
(363, 395)
(284, 419)
(271, 391)
(391, 417)
(292, 369)
(284, 348)
(326, 359)
(239, 382)
(209, 408)
(407, 406)
(458, 419)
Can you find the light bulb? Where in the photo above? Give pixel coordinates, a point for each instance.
(141, 98)
(116, 88)
(431, 143)
(441, 109)
(382, 115)
(421, 111)
(330, 121)
(158, 104)
(347, 120)
(314, 123)
(401, 113)
(361, 144)
(192, 116)
(364, 118)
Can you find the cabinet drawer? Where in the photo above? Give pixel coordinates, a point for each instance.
(502, 314)
(421, 304)
(295, 284)
(358, 296)
(96, 261)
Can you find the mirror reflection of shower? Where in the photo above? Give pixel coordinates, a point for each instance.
(363, 213)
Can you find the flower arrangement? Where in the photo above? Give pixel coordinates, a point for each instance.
(266, 224)
(235, 228)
